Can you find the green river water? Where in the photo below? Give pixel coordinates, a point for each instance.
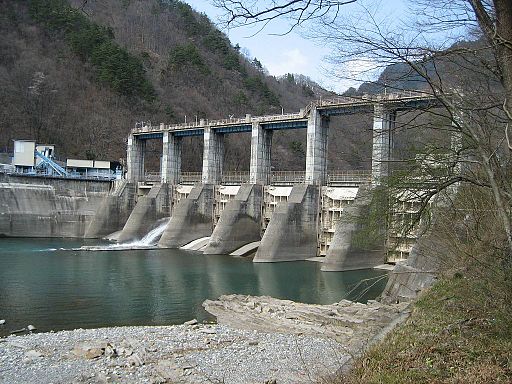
(45, 283)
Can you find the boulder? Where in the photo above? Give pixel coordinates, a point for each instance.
(90, 349)
(169, 370)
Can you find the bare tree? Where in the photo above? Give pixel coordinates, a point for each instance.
(298, 11)
(472, 81)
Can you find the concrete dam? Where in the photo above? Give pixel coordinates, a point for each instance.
(276, 216)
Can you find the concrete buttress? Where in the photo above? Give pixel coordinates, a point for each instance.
(145, 213)
(240, 222)
(192, 218)
(292, 232)
(351, 247)
(113, 211)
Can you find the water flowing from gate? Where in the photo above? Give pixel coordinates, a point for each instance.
(152, 237)
(150, 240)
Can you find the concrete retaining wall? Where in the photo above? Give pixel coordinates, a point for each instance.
(36, 207)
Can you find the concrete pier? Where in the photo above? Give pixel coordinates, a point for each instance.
(240, 222)
(213, 156)
(147, 211)
(352, 246)
(292, 232)
(171, 158)
(261, 149)
(316, 148)
(383, 130)
(135, 158)
(191, 219)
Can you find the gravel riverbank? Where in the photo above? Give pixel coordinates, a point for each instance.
(176, 354)
(262, 340)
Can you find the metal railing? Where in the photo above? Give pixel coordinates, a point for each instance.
(190, 177)
(216, 123)
(44, 173)
(280, 117)
(277, 177)
(236, 177)
(146, 127)
(368, 98)
(152, 176)
(341, 177)
(7, 168)
(287, 177)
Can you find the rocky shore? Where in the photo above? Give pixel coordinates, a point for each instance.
(257, 340)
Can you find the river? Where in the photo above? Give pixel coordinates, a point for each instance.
(54, 286)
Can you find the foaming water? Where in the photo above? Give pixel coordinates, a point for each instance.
(155, 234)
(149, 241)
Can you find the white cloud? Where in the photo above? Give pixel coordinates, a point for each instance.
(288, 61)
(361, 69)
(353, 73)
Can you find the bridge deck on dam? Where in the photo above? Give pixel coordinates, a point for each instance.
(327, 107)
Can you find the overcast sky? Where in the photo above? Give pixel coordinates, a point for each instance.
(289, 53)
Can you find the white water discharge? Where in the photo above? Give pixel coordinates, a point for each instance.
(150, 240)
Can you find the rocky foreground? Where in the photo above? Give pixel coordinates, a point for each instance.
(267, 341)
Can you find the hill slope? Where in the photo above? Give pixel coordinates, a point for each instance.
(80, 74)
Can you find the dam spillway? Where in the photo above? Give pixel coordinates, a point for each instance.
(302, 220)
(293, 216)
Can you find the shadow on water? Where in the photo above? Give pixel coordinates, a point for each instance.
(70, 289)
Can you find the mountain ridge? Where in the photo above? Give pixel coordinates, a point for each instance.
(59, 93)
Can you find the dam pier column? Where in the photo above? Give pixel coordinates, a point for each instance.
(261, 149)
(171, 158)
(383, 129)
(135, 158)
(316, 151)
(192, 217)
(213, 156)
(292, 232)
(240, 222)
(115, 208)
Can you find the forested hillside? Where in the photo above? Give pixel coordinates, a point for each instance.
(80, 74)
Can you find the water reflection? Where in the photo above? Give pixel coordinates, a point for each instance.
(70, 289)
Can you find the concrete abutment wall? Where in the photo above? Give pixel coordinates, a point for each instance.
(48, 207)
